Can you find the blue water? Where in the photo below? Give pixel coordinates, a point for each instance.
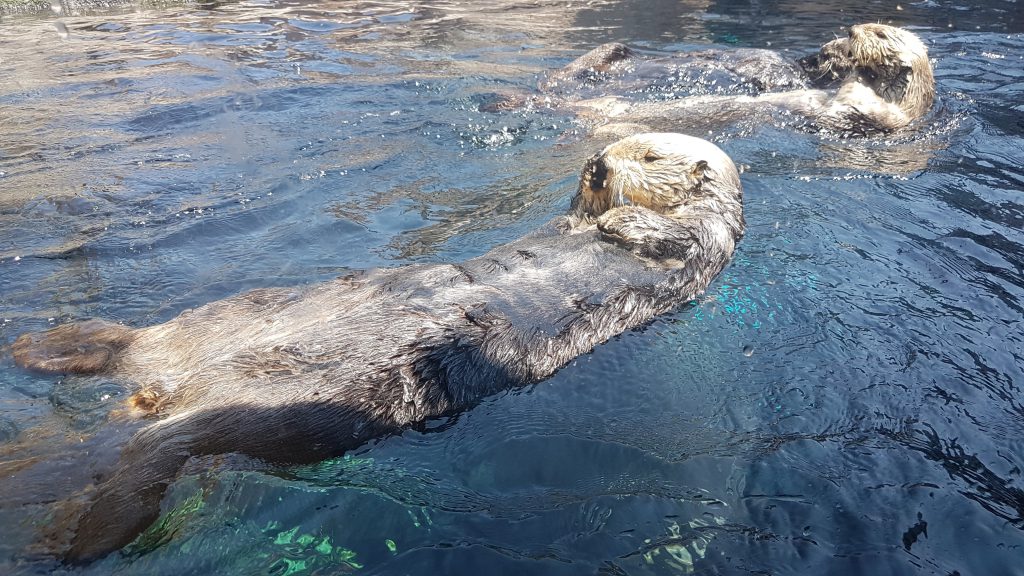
(845, 400)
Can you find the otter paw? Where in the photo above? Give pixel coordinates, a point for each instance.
(628, 223)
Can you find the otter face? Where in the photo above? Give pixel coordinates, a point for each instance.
(664, 172)
(831, 63)
(894, 63)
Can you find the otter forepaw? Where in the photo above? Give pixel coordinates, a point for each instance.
(647, 233)
(85, 347)
(630, 224)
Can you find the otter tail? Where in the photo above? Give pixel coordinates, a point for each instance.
(84, 347)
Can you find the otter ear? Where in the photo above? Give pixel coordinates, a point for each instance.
(700, 170)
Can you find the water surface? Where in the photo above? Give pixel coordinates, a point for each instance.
(845, 400)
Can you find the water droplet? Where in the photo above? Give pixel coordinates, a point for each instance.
(748, 350)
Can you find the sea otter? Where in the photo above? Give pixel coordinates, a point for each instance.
(294, 375)
(891, 83)
(616, 68)
(754, 70)
(888, 84)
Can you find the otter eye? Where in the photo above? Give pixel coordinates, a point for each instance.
(651, 157)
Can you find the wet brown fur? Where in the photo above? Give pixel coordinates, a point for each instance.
(293, 375)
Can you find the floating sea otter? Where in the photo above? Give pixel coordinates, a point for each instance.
(619, 69)
(302, 374)
(746, 69)
(888, 84)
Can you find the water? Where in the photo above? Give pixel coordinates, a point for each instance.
(846, 399)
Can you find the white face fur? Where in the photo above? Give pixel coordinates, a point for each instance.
(872, 44)
(660, 171)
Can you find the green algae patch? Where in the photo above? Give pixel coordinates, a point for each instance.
(295, 552)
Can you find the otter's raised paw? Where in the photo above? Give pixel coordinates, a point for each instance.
(85, 347)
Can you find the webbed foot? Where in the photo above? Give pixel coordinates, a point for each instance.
(83, 347)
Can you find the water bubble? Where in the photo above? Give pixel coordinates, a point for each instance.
(748, 350)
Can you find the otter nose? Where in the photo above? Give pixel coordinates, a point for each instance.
(600, 173)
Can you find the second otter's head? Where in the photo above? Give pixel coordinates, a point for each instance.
(895, 64)
(672, 174)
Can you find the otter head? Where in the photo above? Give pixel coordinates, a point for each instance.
(894, 63)
(828, 65)
(672, 174)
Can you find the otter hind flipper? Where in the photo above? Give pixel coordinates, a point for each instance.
(84, 347)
